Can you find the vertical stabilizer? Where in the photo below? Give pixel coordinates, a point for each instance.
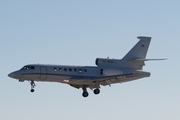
(139, 51)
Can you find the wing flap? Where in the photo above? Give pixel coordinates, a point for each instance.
(100, 78)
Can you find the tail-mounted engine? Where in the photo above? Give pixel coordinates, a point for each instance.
(107, 62)
(106, 65)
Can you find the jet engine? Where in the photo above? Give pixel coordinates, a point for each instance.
(106, 62)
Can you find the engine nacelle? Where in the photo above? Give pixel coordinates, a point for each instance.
(111, 71)
(107, 62)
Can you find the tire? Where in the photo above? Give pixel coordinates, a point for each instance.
(96, 91)
(85, 94)
(32, 90)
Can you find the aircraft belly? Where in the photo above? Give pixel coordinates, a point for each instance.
(52, 78)
(57, 78)
(82, 82)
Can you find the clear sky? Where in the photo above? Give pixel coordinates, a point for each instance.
(71, 32)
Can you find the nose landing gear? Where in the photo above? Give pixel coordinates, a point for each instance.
(32, 85)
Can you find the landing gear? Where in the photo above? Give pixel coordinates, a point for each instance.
(32, 90)
(96, 91)
(85, 93)
(32, 85)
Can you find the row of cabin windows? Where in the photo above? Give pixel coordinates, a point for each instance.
(70, 69)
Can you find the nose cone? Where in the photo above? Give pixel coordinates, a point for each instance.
(16, 75)
(12, 75)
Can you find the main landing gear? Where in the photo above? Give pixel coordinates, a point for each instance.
(85, 93)
(96, 91)
(32, 85)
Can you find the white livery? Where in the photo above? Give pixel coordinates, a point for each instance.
(106, 72)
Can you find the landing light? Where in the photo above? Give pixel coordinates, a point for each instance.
(66, 81)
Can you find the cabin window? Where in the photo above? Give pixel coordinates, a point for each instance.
(85, 70)
(65, 69)
(60, 69)
(70, 69)
(75, 69)
(55, 69)
(80, 70)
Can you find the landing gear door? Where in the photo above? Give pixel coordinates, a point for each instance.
(43, 73)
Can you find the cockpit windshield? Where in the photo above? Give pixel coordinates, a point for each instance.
(28, 67)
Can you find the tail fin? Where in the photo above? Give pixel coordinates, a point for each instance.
(139, 50)
(133, 60)
(136, 56)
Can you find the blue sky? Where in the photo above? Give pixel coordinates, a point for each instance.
(73, 32)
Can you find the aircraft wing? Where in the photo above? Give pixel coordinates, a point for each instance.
(99, 78)
(92, 82)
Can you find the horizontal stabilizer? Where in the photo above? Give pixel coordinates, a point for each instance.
(136, 60)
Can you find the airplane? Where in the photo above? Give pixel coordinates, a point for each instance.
(106, 72)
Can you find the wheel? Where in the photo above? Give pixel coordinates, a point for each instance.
(85, 94)
(96, 91)
(32, 90)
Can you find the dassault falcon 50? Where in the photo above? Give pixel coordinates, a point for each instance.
(106, 72)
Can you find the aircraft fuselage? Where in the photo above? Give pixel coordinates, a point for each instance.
(63, 74)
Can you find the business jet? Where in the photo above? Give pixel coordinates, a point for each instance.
(106, 72)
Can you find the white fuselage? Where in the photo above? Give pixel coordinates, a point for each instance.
(62, 73)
